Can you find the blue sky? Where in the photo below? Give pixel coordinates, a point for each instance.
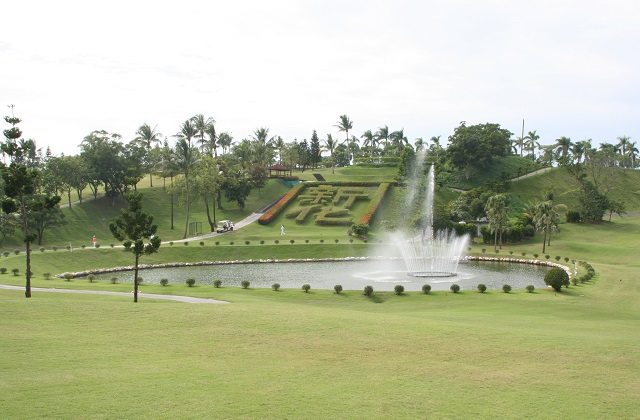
(569, 68)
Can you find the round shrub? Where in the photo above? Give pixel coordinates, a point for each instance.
(245, 284)
(15, 271)
(547, 256)
(186, 243)
(566, 259)
(231, 243)
(506, 288)
(572, 216)
(247, 242)
(275, 287)
(3, 270)
(171, 243)
(191, 282)
(497, 251)
(306, 241)
(337, 288)
(530, 288)
(482, 288)
(112, 245)
(201, 243)
(97, 245)
(455, 288)
(557, 257)
(484, 250)
(91, 278)
(276, 241)
(426, 289)
(337, 240)
(524, 254)
(47, 276)
(140, 280)
(556, 278)
(164, 282)
(217, 283)
(68, 247)
(306, 288)
(292, 241)
(114, 280)
(510, 252)
(350, 241)
(83, 246)
(321, 241)
(535, 255)
(16, 251)
(41, 249)
(217, 242)
(262, 242)
(68, 276)
(6, 253)
(398, 289)
(368, 291)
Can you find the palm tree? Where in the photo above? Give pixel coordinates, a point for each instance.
(623, 145)
(399, 140)
(419, 144)
(369, 141)
(261, 135)
(185, 157)
(244, 152)
(148, 137)
(345, 124)
(518, 143)
(330, 146)
(545, 218)
(200, 122)
(382, 134)
(435, 147)
(279, 145)
(531, 143)
(632, 152)
(209, 144)
(577, 150)
(496, 210)
(563, 145)
(225, 140)
(188, 130)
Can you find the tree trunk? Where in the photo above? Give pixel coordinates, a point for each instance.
(171, 201)
(544, 241)
(206, 206)
(495, 239)
(135, 281)
(69, 197)
(151, 180)
(27, 292)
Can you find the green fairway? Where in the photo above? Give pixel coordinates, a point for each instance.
(290, 354)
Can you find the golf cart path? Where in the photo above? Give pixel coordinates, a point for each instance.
(186, 299)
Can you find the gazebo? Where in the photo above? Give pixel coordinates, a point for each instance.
(281, 171)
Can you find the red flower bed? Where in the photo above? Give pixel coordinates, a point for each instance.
(266, 218)
(375, 202)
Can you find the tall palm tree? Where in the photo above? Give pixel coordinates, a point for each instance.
(435, 147)
(225, 140)
(148, 137)
(531, 143)
(419, 144)
(330, 145)
(369, 141)
(496, 210)
(623, 145)
(279, 145)
(399, 140)
(185, 157)
(632, 152)
(518, 143)
(261, 135)
(201, 123)
(345, 124)
(382, 135)
(188, 131)
(563, 145)
(577, 150)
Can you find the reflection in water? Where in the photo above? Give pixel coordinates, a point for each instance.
(383, 275)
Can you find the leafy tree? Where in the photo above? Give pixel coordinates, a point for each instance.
(104, 154)
(8, 226)
(314, 149)
(407, 160)
(545, 219)
(476, 146)
(206, 182)
(330, 145)
(134, 227)
(556, 278)
(237, 188)
(45, 213)
(531, 143)
(148, 137)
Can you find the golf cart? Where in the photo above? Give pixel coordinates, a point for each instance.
(224, 226)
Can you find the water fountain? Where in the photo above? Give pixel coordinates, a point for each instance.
(427, 253)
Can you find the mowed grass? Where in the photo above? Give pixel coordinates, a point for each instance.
(290, 354)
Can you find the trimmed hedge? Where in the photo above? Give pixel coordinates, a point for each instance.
(375, 202)
(266, 218)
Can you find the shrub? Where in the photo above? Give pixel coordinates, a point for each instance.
(455, 288)
(114, 280)
(112, 245)
(482, 288)
(530, 288)
(337, 288)
(245, 284)
(497, 251)
(68, 276)
(574, 280)
(321, 241)
(6, 253)
(306, 288)
(91, 278)
(360, 229)
(3, 270)
(484, 250)
(556, 278)
(217, 242)
(566, 259)
(510, 252)
(506, 288)
(191, 282)
(217, 283)
(306, 241)
(426, 289)
(47, 275)
(368, 291)
(201, 243)
(557, 257)
(572, 216)
(399, 289)
(247, 242)
(277, 242)
(68, 247)
(231, 243)
(186, 243)
(41, 249)
(15, 271)
(547, 256)
(337, 240)
(16, 251)
(164, 282)
(97, 245)
(262, 242)
(171, 243)
(524, 254)
(83, 246)
(535, 255)
(275, 287)
(292, 241)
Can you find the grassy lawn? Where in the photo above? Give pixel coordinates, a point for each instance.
(288, 354)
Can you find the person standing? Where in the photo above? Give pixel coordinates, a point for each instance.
(95, 241)
(282, 230)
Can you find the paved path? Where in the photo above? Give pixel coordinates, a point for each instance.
(186, 299)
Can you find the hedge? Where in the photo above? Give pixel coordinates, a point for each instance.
(266, 218)
(375, 202)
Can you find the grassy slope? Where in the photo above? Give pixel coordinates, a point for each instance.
(288, 354)
(510, 166)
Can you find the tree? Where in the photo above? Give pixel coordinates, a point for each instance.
(314, 149)
(369, 141)
(149, 138)
(237, 188)
(19, 186)
(518, 143)
(475, 146)
(563, 146)
(8, 226)
(330, 145)
(531, 143)
(345, 124)
(556, 278)
(184, 159)
(496, 210)
(399, 140)
(225, 141)
(545, 218)
(45, 213)
(134, 226)
(407, 160)
(419, 144)
(382, 135)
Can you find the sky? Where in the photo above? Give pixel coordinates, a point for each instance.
(567, 68)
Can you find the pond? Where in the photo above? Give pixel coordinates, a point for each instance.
(382, 275)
